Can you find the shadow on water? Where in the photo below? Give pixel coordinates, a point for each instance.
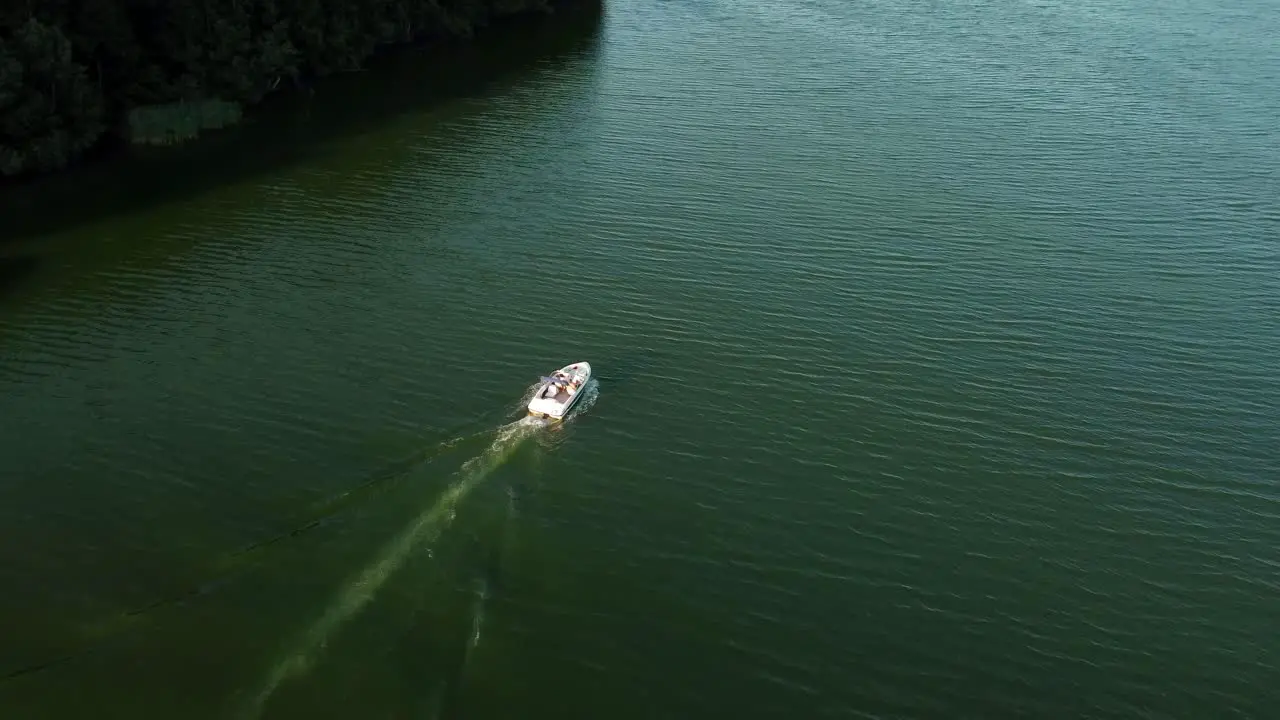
(13, 270)
(294, 125)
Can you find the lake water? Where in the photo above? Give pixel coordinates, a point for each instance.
(936, 350)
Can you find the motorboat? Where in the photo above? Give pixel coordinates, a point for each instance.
(559, 391)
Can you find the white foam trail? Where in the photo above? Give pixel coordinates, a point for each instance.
(477, 616)
(362, 588)
(590, 393)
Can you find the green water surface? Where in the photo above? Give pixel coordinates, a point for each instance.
(936, 377)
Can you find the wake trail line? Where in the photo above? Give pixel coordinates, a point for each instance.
(362, 588)
(223, 569)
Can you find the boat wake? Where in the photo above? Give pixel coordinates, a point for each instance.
(362, 588)
(222, 569)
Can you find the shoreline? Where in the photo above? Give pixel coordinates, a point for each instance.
(291, 125)
(129, 129)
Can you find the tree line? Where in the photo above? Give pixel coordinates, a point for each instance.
(72, 70)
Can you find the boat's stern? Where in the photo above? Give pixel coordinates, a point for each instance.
(548, 408)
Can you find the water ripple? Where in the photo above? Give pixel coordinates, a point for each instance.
(942, 343)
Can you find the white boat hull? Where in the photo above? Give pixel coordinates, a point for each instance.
(554, 398)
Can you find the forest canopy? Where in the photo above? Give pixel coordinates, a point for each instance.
(75, 71)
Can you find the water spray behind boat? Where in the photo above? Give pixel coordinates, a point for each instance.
(362, 587)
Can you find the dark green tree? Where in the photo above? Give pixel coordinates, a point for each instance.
(72, 69)
(49, 110)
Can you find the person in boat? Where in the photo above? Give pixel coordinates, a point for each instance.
(558, 381)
